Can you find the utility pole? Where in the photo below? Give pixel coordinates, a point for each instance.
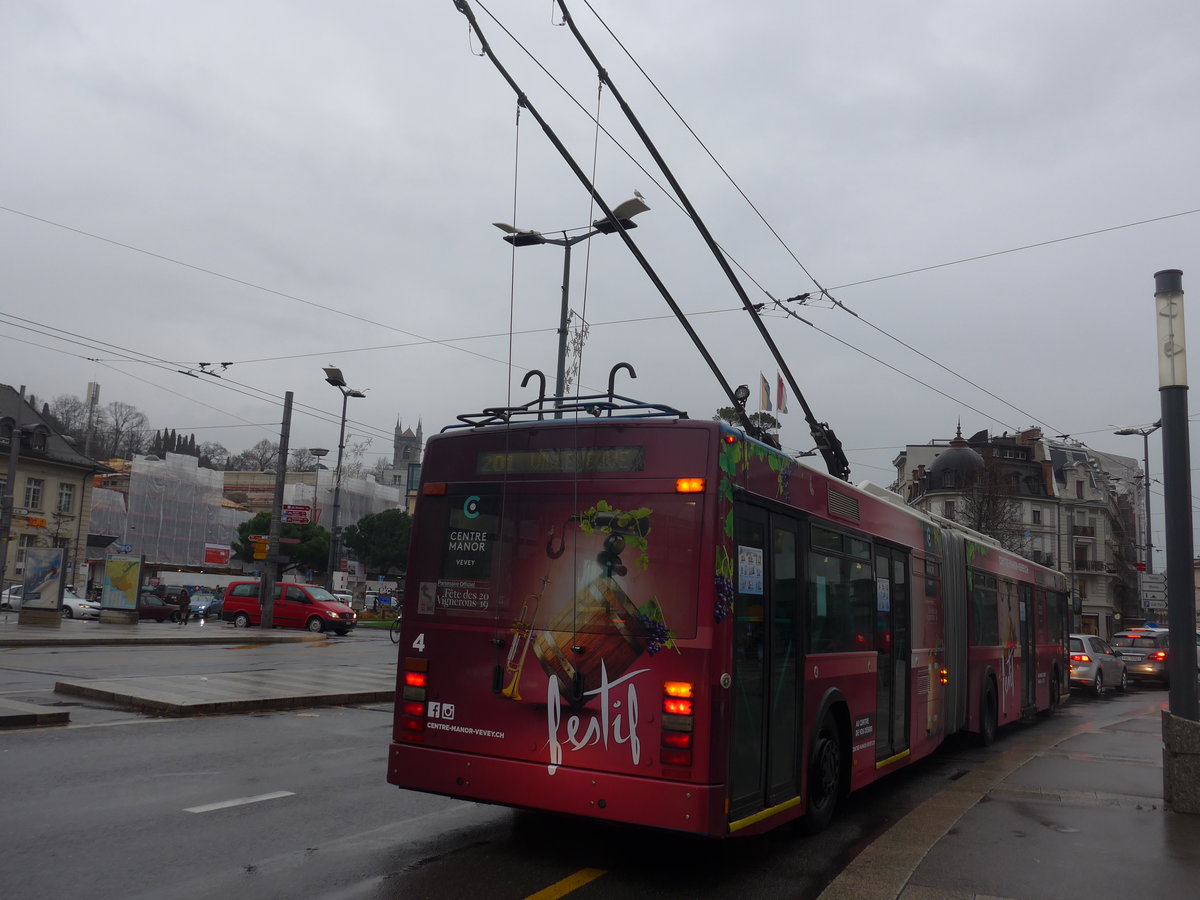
(270, 574)
(6, 501)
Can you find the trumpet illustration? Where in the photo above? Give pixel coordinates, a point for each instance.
(522, 630)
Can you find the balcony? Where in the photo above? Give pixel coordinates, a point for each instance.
(1083, 531)
(1091, 565)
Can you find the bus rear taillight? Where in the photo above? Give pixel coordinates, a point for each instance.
(677, 707)
(689, 485)
(943, 676)
(411, 722)
(678, 723)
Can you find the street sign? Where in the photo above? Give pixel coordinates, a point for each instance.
(1154, 604)
(1148, 594)
(257, 537)
(294, 518)
(1152, 580)
(293, 508)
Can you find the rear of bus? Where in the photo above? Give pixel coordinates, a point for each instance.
(554, 652)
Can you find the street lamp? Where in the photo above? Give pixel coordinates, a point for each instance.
(334, 376)
(320, 453)
(1145, 433)
(519, 237)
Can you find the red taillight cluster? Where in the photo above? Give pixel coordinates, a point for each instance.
(1158, 656)
(678, 721)
(411, 722)
(1080, 657)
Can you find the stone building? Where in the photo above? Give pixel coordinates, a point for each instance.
(47, 490)
(1055, 502)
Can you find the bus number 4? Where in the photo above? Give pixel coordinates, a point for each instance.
(419, 643)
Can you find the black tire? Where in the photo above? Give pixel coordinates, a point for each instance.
(824, 775)
(68, 613)
(394, 632)
(1098, 684)
(1055, 695)
(340, 632)
(241, 620)
(175, 616)
(1124, 685)
(988, 715)
(315, 625)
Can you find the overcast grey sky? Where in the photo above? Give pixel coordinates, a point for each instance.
(288, 185)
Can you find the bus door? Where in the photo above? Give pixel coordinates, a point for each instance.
(892, 651)
(1029, 660)
(765, 751)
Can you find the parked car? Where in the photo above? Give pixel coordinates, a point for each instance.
(206, 606)
(1095, 666)
(296, 606)
(11, 598)
(160, 609)
(76, 607)
(1145, 654)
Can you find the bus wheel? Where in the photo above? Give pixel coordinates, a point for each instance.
(1055, 695)
(824, 776)
(987, 715)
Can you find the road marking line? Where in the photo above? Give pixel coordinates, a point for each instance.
(240, 801)
(567, 885)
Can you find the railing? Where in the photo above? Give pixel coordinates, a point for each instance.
(1083, 530)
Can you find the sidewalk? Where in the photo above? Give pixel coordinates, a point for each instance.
(191, 695)
(1054, 816)
(89, 632)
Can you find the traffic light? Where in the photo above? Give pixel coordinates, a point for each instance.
(259, 543)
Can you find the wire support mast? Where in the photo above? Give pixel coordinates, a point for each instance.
(735, 400)
(826, 441)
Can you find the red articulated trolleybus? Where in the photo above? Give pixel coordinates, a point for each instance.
(628, 615)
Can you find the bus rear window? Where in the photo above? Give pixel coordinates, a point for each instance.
(561, 562)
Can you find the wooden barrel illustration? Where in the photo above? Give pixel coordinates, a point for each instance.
(604, 622)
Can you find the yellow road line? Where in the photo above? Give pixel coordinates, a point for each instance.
(568, 884)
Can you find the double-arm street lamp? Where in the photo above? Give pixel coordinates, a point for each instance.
(334, 376)
(1145, 433)
(518, 237)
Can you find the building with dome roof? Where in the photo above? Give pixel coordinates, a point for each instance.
(1055, 502)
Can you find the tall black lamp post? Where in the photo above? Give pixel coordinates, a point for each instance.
(334, 376)
(519, 237)
(1145, 433)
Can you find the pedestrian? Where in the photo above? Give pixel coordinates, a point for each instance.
(185, 606)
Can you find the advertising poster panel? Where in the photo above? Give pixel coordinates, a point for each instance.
(43, 578)
(122, 576)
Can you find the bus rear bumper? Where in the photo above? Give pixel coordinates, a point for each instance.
(652, 802)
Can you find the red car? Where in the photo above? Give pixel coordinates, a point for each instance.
(296, 606)
(152, 606)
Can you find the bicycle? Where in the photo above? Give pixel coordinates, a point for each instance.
(394, 630)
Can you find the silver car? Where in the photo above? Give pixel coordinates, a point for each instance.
(76, 607)
(1095, 667)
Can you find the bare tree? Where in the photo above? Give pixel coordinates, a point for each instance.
(122, 429)
(259, 458)
(990, 506)
(352, 461)
(70, 416)
(213, 455)
(301, 460)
